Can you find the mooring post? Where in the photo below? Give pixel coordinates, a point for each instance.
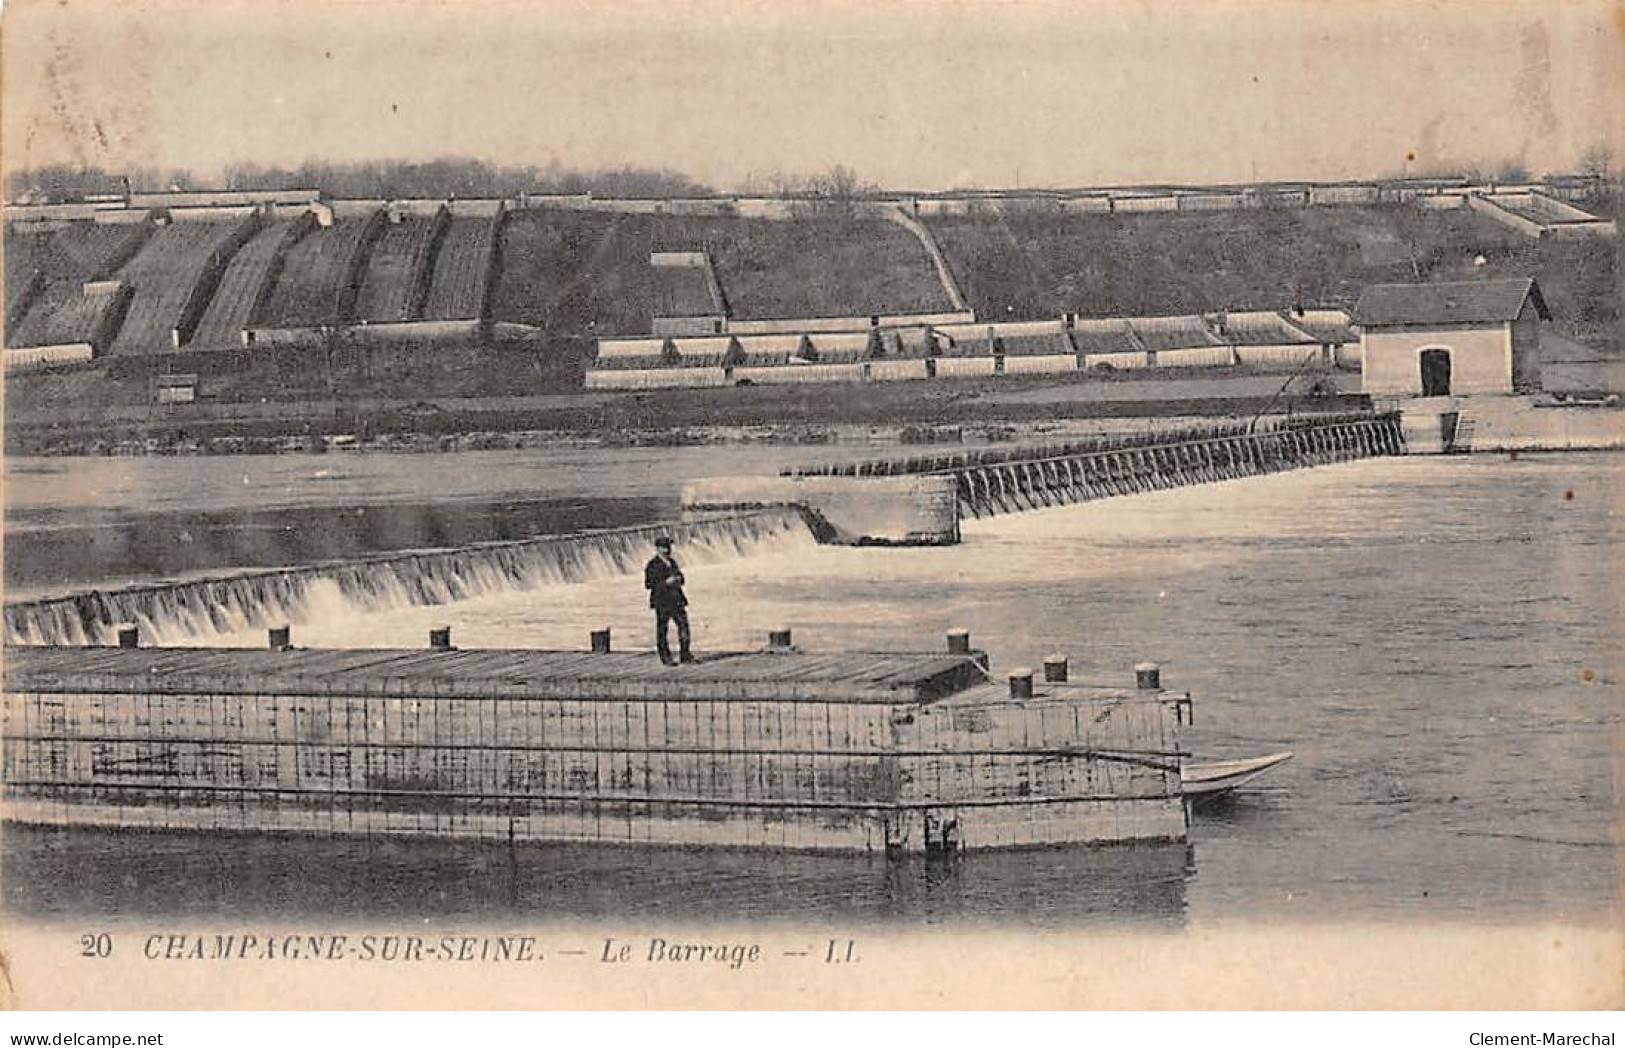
(440, 638)
(1148, 676)
(129, 635)
(280, 638)
(959, 641)
(1055, 669)
(600, 641)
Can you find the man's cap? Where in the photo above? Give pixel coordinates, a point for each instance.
(663, 542)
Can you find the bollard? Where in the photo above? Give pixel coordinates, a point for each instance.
(1021, 684)
(440, 638)
(600, 641)
(1055, 669)
(280, 638)
(959, 642)
(779, 638)
(1148, 676)
(129, 636)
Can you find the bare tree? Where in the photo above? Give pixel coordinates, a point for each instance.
(440, 177)
(832, 195)
(1598, 160)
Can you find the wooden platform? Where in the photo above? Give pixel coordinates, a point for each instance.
(861, 751)
(987, 694)
(861, 677)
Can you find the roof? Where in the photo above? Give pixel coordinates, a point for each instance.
(1258, 329)
(1053, 343)
(1110, 335)
(905, 341)
(635, 354)
(681, 291)
(1325, 325)
(630, 347)
(1017, 338)
(775, 343)
(660, 360)
(1457, 302)
(1176, 332)
(816, 348)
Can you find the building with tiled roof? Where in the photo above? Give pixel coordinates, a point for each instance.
(1476, 336)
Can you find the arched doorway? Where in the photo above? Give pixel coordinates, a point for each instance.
(1435, 364)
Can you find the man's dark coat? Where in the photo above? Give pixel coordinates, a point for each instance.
(664, 581)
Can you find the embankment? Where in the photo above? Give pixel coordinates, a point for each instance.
(56, 418)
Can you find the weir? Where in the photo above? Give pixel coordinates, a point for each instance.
(738, 516)
(177, 611)
(1010, 480)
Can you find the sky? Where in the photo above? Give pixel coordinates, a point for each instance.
(924, 94)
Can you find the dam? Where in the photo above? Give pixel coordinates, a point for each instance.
(1012, 480)
(247, 600)
(917, 500)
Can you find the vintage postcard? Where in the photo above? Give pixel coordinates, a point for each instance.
(916, 504)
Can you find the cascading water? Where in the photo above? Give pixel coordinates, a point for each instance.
(174, 613)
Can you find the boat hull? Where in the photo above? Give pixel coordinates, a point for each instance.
(863, 752)
(1220, 777)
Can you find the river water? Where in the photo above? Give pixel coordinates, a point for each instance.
(1437, 640)
(103, 522)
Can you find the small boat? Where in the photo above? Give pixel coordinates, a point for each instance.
(1206, 780)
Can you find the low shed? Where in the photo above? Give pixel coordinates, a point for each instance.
(1479, 336)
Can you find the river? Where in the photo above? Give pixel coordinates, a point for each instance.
(102, 522)
(1435, 638)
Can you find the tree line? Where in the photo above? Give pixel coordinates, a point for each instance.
(392, 179)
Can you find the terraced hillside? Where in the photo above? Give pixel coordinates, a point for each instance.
(460, 270)
(575, 273)
(578, 276)
(162, 276)
(86, 317)
(681, 291)
(1039, 263)
(588, 273)
(314, 287)
(819, 267)
(64, 258)
(387, 290)
(25, 254)
(230, 309)
(1524, 209)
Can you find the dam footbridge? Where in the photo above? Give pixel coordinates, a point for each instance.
(1015, 479)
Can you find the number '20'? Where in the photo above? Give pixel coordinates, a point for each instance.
(99, 945)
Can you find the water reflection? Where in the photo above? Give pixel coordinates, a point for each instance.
(61, 546)
(213, 877)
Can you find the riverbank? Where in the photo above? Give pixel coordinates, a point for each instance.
(917, 411)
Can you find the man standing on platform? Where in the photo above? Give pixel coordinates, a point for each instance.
(664, 581)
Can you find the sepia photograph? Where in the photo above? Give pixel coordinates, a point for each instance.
(906, 505)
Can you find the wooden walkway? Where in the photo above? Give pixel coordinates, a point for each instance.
(862, 677)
